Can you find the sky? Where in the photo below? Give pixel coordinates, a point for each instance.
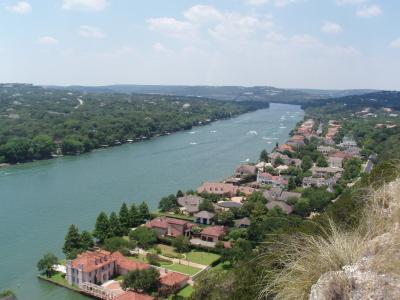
(325, 44)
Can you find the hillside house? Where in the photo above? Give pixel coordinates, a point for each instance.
(165, 226)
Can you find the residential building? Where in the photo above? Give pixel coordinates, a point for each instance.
(326, 150)
(190, 203)
(335, 162)
(313, 182)
(224, 189)
(280, 195)
(267, 178)
(172, 282)
(125, 265)
(244, 171)
(204, 217)
(94, 267)
(323, 171)
(296, 141)
(243, 223)
(286, 208)
(285, 147)
(165, 226)
(212, 233)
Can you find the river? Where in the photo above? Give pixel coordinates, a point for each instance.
(40, 200)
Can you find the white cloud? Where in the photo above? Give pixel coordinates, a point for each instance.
(369, 11)
(276, 3)
(349, 2)
(202, 14)
(91, 32)
(21, 8)
(47, 40)
(84, 4)
(160, 48)
(331, 27)
(172, 27)
(395, 43)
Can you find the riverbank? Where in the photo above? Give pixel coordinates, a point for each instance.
(74, 189)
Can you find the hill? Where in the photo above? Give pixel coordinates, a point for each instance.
(38, 123)
(237, 93)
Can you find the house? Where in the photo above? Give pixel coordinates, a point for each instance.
(267, 178)
(245, 171)
(172, 282)
(286, 208)
(280, 195)
(348, 142)
(218, 188)
(326, 150)
(275, 155)
(226, 205)
(285, 147)
(313, 182)
(190, 203)
(172, 227)
(296, 141)
(335, 162)
(204, 217)
(125, 265)
(262, 166)
(212, 233)
(94, 267)
(243, 223)
(323, 171)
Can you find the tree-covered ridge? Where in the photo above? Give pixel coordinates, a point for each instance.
(36, 122)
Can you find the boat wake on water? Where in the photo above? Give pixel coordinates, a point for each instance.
(252, 132)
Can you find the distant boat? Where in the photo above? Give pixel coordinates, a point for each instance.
(193, 143)
(252, 132)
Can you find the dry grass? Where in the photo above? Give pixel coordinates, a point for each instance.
(304, 258)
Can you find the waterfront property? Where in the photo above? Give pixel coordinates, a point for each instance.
(98, 267)
(267, 178)
(190, 203)
(165, 226)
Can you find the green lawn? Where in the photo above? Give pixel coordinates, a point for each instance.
(140, 257)
(201, 257)
(181, 268)
(59, 279)
(186, 292)
(167, 251)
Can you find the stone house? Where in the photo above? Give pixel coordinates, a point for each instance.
(165, 226)
(204, 217)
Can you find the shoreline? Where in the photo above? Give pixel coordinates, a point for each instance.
(122, 143)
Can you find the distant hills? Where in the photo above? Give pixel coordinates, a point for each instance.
(238, 93)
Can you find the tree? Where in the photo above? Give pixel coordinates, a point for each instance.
(225, 218)
(181, 244)
(72, 240)
(306, 163)
(142, 280)
(264, 156)
(118, 244)
(115, 226)
(134, 218)
(46, 263)
(124, 218)
(279, 161)
(17, 150)
(71, 145)
(144, 236)
(168, 203)
(86, 240)
(207, 205)
(179, 194)
(144, 212)
(291, 184)
(43, 146)
(322, 162)
(102, 227)
(302, 208)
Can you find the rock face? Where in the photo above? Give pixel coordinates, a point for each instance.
(376, 276)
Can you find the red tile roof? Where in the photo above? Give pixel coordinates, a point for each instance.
(128, 264)
(163, 222)
(133, 296)
(215, 231)
(172, 279)
(92, 260)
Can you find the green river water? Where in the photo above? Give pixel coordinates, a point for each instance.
(38, 201)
